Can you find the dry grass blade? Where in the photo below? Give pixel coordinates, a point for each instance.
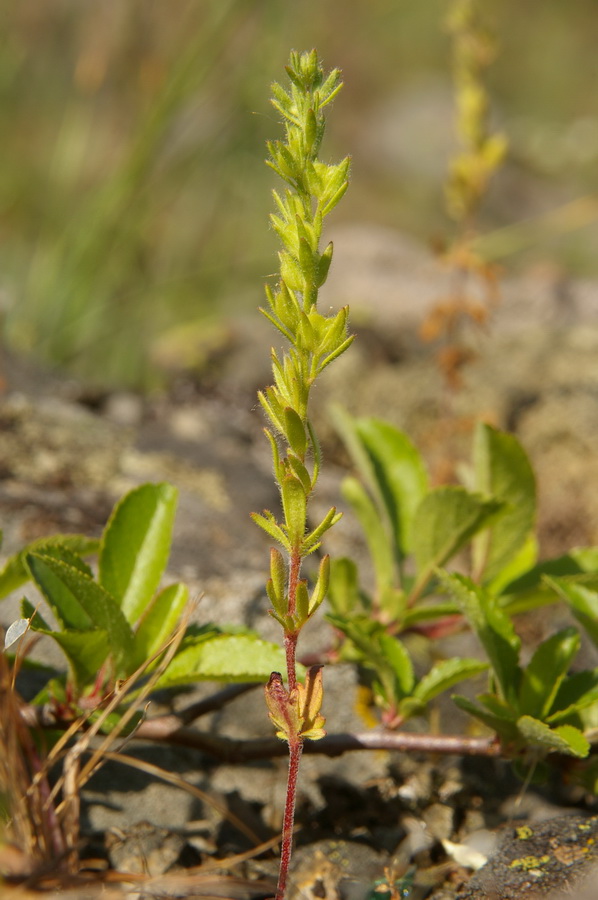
(31, 827)
(179, 782)
(74, 776)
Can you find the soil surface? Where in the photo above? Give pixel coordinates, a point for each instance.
(371, 824)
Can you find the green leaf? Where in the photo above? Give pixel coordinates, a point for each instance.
(15, 572)
(295, 432)
(446, 519)
(582, 602)
(504, 728)
(376, 535)
(424, 612)
(519, 565)
(443, 675)
(62, 598)
(312, 540)
(493, 628)
(531, 590)
(545, 672)
(294, 503)
(343, 590)
(86, 653)
(579, 561)
(576, 693)
(159, 621)
(399, 472)
(135, 546)
(268, 523)
(503, 471)
(81, 603)
(564, 739)
(224, 657)
(397, 657)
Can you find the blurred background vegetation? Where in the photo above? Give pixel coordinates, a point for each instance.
(133, 193)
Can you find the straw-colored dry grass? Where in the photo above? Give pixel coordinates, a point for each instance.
(40, 797)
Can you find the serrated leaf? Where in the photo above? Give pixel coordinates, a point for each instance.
(159, 621)
(135, 546)
(225, 657)
(564, 739)
(70, 591)
(86, 652)
(445, 521)
(443, 675)
(503, 471)
(545, 672)
(15, 572)
(36, 620)
(582, 601)
(62, 599)
(493, 628)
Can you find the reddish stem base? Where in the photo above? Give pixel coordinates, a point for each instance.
(295, 750)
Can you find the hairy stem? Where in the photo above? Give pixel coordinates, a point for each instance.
(295, 750)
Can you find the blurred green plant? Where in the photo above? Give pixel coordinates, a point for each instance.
(129, 189)
(125, 235)
(485, 533)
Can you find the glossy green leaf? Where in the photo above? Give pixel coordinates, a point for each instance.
(82, 604)
(159, 621)
(503, 471)
(545, 672)
(225, 657)
(493, 628)
(135, 546)
(445, 521)
(445, 674)
(15, 572)
(582, 601)
(564, 739)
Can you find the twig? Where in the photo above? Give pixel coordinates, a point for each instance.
(169, 730)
